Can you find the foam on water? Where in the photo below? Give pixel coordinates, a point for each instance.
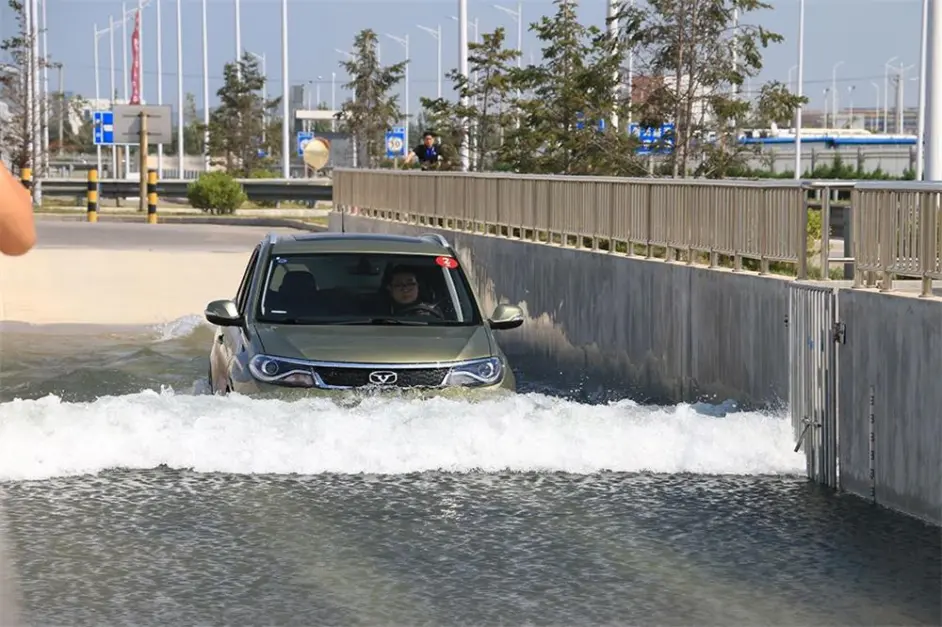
(528, 432)
(178, 328)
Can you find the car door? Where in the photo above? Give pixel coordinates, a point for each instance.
(230, 341)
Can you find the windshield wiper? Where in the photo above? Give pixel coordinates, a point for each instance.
(349, 321)
(289, 320)
(379, 321)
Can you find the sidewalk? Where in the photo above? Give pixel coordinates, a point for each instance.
(177, 210)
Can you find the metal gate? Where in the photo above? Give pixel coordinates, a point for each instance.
(813, 335)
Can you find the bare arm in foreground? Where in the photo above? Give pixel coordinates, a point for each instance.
(17, 229)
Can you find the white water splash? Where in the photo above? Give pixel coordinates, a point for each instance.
(179, 328)
(49, 438)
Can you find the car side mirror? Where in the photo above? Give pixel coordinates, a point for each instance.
(506, 317)
(224, 313)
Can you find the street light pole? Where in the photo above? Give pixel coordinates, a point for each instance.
(886, 94)
(45, 89)
(285, 112)
(437, 34)
(205, 91)
(124, 71)
(923, 75)
(111, 96)
(405, 43)
(160, 89)
(238, 36)
(800, 86)
(834, 92)
(261, 57)
(97, 91)
(934, 92)
(463, 70)
(518, 18)
(181, 151)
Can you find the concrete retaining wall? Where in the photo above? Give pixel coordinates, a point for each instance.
(608, 326)
(894, 344)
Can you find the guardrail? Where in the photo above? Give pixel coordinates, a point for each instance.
(256, 189)
(715, 222)
(898, 230)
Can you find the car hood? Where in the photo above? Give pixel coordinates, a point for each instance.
(382, 344)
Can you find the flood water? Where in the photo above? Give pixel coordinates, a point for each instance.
(130, 496)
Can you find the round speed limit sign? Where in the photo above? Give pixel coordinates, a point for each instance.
(394, 144)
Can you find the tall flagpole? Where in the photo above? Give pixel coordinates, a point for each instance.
(124, 71)
(285, 112)
(160, 90)
(205, 92)
(181, 153)
(111, 94)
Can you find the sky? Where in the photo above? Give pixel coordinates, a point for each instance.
(861, 35)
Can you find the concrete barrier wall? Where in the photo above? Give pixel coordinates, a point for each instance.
(610, 326)
(894, 344)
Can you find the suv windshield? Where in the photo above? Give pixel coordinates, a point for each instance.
(374, 288)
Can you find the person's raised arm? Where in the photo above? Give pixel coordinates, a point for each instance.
(17, 229)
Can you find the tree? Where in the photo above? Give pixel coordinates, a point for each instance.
(192, 130)
(237, 125)
(701, 53)
(372, 110)
(487, 89)
(776, 105)
(75, 138)
(322, 126)
(19, 133)
(565, 119)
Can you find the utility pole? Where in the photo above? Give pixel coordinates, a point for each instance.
(463, 70)
(62, 107)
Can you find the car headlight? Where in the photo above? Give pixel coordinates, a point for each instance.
(476, 373)
(277, 371)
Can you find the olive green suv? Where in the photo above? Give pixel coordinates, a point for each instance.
(341, 311)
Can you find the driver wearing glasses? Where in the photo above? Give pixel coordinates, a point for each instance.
(403, 289)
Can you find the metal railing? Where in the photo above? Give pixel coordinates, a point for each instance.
(256, 189)
(899, 232)
(716, 222)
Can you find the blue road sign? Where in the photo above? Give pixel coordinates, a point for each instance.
(580, 122)
(651, 135)
(303, 138)
(103, 132)
(396, 143)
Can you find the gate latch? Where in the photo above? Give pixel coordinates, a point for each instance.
(839, 333)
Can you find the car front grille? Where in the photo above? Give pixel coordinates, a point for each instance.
(360, 377)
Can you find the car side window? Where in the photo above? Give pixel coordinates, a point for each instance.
(242, 294)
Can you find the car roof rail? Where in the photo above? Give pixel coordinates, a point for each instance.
(271, 237)
(435, 238)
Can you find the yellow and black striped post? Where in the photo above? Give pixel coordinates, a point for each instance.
(26, 177)
(92, 195)
(152, 196)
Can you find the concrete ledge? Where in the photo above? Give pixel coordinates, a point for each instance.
(225, 221)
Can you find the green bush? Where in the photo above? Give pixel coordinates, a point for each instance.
(264, 174)
(216, 192)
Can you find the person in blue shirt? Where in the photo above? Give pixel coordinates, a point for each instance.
(427, 153)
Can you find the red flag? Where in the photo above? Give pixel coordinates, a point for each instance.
(136, 60)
